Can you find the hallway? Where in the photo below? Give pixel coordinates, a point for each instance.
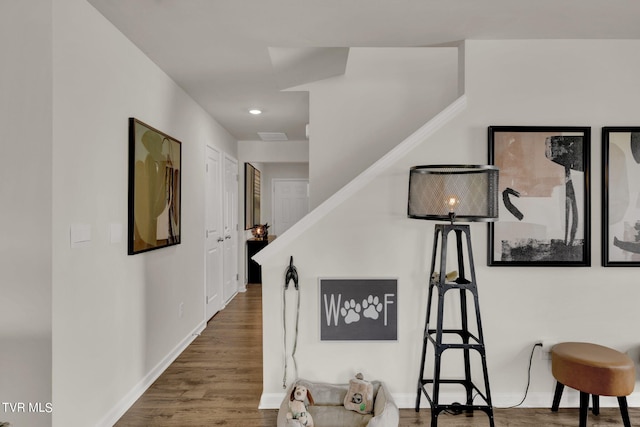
(217, 380)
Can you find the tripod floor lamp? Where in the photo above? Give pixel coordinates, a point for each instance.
(453, 193)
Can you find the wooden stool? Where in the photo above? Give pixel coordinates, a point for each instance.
(592, 370)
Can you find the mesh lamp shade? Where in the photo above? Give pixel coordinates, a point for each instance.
(464, 193)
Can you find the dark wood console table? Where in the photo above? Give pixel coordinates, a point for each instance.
(254, 274)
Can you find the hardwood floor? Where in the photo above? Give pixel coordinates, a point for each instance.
(217, 381)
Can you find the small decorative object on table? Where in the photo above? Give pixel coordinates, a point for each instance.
(260, 231)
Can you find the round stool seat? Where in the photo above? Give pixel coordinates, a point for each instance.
(593, 369)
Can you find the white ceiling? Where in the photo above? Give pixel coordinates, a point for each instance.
(231, 55)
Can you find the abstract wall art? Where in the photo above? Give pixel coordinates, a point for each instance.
(621, 196)
(154, 188)
(544, 215)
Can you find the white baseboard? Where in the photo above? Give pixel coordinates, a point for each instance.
(129, 399)
(271, 400)
(570, 399)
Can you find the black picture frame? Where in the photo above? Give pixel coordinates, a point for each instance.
(252, 187)
(155, 177)
(620, 196)
(545, 210)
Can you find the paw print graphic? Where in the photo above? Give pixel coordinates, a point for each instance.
(350, 312)
(372, 307)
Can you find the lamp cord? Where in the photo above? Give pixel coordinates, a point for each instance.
(456, 411)
(526, 391)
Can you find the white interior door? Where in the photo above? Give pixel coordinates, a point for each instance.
(230, 223)
(214, 237)
(290, 203)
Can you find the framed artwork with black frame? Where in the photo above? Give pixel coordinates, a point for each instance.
(621, 196)
(251, 196)
(544, 216)
(358, 309)
(155, 167)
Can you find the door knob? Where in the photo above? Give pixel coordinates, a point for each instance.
(220, 239)
(227, 237)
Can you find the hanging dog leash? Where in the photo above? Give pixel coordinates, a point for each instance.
(291, 274)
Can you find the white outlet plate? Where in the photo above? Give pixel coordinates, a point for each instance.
(545, 351)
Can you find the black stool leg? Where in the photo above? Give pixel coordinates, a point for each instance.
(624, 411)
(596, 404)
(557, 396)
(584, 408)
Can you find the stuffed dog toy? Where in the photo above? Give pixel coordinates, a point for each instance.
(297, 408)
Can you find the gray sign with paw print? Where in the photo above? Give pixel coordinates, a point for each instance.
(358, 309)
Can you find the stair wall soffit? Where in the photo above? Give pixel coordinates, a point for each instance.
(296, 66)
(394, 155)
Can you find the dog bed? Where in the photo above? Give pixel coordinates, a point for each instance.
(329, 410)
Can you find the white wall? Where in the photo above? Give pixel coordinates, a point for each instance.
(273, 151)
(384, 95)
(25, 212)
(586, 83)
(115, 317)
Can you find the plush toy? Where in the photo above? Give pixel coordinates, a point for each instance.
(359, 397)
(297, 408)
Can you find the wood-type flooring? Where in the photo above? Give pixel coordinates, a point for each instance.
(217, 381)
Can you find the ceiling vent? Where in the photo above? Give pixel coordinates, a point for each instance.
(273, 136)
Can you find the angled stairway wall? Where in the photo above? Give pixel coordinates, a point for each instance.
(384, 95)
(552, 82)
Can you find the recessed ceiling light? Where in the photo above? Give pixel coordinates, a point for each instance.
(255, 111)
